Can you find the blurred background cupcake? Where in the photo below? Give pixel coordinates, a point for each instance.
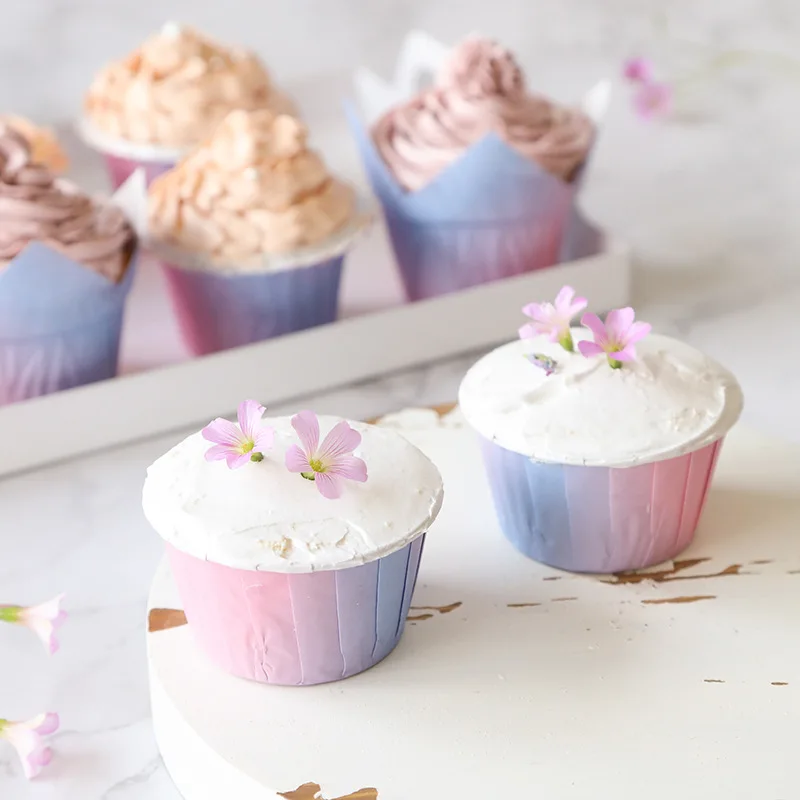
(164, 98)
(478, 176)
(252, 231)
(65, 270)
(43, 142)
(600, 443)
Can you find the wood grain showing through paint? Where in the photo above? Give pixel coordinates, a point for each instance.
(685, 599)
(312, 791)
(440, 609)
(522, 605)
(712, 680)
(674, 573)
(162, 619)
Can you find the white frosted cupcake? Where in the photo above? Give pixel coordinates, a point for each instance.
(599, 457)
(296, 561)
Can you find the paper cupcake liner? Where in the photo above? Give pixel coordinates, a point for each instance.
(438, 259)
(123, 158)
(297, 629)
(220, 310)
(120, 169)
(599, 519)
(60, 324)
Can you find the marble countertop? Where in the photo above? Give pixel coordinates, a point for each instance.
(708, 200)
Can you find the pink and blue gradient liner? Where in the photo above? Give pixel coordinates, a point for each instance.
(297, 629)
(493, 214)
(599, 519)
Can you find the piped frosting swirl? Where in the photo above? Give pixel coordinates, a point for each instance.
(36, 207)
(481, 89)
(176, 88)
(253, 188)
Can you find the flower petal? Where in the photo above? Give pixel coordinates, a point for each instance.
(628, 353)
(590, 349)
(341, 439)
(307, 426)
(529, 331)
(249, 414)
(595, 325)
(45, 724)
(219, 452)
(638, 331)
(351, 467)
(638, 70)
(564, 298)
(652, 99)
(618, 321)
(329, 485)
(297, 460)
(237, 460)
(223, 431)
(264, 439)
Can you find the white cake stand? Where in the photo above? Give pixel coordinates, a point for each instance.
(517, 681)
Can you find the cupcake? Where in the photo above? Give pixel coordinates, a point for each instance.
(65, 270)
(251, 229)
(150, 108)
(295, 561)
(478, 175)
(45, 147)
(599, 442)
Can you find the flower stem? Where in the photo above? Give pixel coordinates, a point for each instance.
(566, 342)
(10, 613)
(257, 457)
(309, 476)
(614, 364)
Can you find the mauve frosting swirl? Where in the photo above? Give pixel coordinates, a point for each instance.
(481, 89)
(36, 207)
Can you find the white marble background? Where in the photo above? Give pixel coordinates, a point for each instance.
(709, 200)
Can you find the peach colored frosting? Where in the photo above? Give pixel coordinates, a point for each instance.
(176, 88)
(45, 147)
(253, 188)
(36, 207)
(480, 90)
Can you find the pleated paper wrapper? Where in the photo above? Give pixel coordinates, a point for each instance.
(297, 629)
(599, 519)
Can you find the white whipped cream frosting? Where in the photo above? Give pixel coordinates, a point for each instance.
(263, 517)
(670, 400)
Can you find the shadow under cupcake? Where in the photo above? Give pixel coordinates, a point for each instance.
(478, 177)
(252, 232)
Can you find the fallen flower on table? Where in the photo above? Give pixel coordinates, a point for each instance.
(28, 740)
(43, 619)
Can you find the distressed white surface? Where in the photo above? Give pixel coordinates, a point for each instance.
(597, 685)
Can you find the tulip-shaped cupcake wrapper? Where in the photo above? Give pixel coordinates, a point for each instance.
(599, 519)
(123, 159)
(60, 324)
(492, 214)
(297, 629)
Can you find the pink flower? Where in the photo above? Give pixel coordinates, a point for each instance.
(553, 319)
(28, 739)
(43, 619)
(329, 464)
(239, 445)
(652, 99)
(638, 70)
(616, 338)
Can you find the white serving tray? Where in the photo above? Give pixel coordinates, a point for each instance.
(377, 335)
(514, 680)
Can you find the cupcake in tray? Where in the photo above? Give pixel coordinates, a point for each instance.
(478, 175)
(600, 443)
(44, 144)
(149, 108)
(65, 270)
(252, 231)
(294, 542)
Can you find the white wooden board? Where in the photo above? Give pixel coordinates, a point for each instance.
(514, 680)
